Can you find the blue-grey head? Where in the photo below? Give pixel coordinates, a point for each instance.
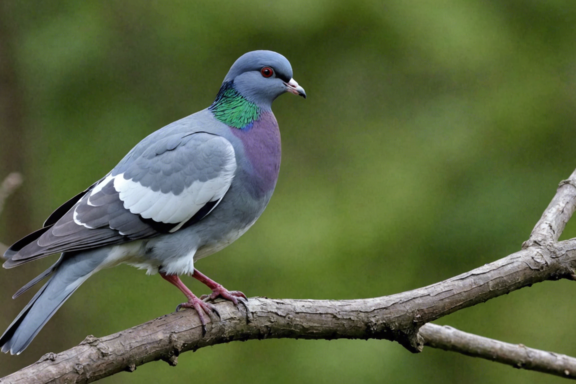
(262, 76)
(250, 87)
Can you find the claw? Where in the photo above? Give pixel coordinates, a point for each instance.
(244, 302)
(235, 297)
(201, 307)
(222, 292)
(218, 290)
(215, 310)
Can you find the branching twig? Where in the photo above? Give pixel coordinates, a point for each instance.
(559, 211)
(402, 317)
(515, 355)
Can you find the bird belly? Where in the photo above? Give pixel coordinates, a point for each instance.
(133, 254)
(177, 252)
(224, 241)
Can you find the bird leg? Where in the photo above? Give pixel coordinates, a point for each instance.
(193, 301)
(218, 290)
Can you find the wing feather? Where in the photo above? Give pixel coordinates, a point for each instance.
(211, 165)
(172, 183)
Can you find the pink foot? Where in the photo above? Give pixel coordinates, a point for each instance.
(222, 292)
(218, 290)
(201, 307)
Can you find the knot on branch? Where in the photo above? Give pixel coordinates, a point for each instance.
(410, 339)
(90, 340)
(177, 345)
(51, 356)
(79, 368)
(172, 360)
(549, 255)
(567, 182)
(531, 243)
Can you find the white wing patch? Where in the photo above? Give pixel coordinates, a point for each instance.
(176, 209)
(169, 208)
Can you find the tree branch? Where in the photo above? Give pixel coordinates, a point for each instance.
(401, 317)
(8, 186)
(515, 355)
(559, 211)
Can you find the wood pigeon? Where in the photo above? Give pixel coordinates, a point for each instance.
(184, 192)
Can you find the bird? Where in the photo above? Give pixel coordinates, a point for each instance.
(183, 193)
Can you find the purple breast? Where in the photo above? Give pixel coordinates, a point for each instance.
(263, 152)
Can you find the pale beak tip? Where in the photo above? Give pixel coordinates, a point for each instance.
(301, 92)
(293, 87)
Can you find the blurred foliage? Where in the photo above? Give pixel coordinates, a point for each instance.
(433, 137)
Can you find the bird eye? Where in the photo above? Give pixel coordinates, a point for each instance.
(267, 71)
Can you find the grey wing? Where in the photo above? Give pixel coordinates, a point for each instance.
(155, 189)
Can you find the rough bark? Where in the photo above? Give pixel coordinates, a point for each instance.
(515, 355)
(402, 317)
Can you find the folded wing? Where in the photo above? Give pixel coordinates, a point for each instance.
(158, 187)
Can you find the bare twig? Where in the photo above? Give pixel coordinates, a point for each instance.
(515, 355)
(559, 211)
(401, 317)
(8, 186)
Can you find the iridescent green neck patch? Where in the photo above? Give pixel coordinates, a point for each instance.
(231, 108)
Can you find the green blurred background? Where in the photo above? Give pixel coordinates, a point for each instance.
(433, 137)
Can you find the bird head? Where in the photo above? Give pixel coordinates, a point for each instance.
(262, 76)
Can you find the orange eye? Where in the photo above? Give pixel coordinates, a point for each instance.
(267, 71)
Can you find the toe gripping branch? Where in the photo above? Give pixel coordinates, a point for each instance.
(202, 308)
(218, 290)
(202, 305)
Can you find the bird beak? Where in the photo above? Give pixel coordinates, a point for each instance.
(293, 87)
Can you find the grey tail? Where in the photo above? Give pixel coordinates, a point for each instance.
(69, 273)
(37, 279)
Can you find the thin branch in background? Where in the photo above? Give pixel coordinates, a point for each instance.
(8, 186)
(515, 355)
